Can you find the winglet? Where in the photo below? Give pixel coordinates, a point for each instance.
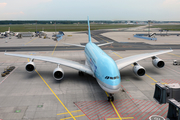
(89, 32)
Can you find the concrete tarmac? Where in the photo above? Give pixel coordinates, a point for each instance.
(121, 41)
(37, 96)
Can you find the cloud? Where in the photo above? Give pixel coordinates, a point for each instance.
(3, 5)
(14, 13)
(171, 3)
(44, 0)
(34, 1)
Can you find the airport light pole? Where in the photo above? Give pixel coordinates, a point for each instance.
(36, 26)
(149, 21)
(55, 27)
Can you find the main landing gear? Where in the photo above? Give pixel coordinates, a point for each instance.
(110, 98)
(81, 73)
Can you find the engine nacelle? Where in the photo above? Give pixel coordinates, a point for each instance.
(30, 67)
(158, 63)
(139, 70)
(58, 73)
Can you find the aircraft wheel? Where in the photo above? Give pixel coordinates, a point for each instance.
(112, 98)
(81, 73)
(109, 99)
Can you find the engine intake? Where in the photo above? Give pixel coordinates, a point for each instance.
(58, 73)
(138, 70)
(158, 63)
(30, 67)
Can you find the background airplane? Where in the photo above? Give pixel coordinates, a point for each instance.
(98, 64)
(58, 36)
(6, 32)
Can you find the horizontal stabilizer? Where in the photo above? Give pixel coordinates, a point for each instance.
(104, 44)
(74, 45)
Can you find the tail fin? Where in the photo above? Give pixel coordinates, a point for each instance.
(9, 29)
(89, 32)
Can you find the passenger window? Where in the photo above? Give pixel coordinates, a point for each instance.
(111, 77)
(114, 77)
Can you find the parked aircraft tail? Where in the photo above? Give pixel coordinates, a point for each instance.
(89, 36)
(89, 32)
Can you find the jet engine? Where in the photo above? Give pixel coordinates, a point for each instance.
(30, 67)
(158, 63)
(58, 73)
(138, 70)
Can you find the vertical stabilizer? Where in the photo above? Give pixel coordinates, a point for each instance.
(9, 29)
(89, 32)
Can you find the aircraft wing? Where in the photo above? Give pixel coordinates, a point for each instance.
(121, 63)
(68, 63)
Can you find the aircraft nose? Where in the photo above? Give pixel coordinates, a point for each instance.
(115, 87)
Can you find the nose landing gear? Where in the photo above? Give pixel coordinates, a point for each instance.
(110, 98)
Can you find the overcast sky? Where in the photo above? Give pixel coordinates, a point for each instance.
(95, 9)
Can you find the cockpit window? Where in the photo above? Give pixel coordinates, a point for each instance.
(107, 77)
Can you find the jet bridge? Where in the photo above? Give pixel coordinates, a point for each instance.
(163, 93)
(169, 94)
(173, 110)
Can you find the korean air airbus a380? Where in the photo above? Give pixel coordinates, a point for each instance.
(98, 64)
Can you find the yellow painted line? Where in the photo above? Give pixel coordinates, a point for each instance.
(114, 107)
(118, 55)
(54, 48)
(74, 116)
(161, 83)
(55, 95)
(151, 78)
(107, 94)
(100, 38)
(71, 112)
(174, 54)
(31, 40)
(122, 118)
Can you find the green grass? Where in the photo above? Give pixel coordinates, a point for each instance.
(168, 27)
(60, 27)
